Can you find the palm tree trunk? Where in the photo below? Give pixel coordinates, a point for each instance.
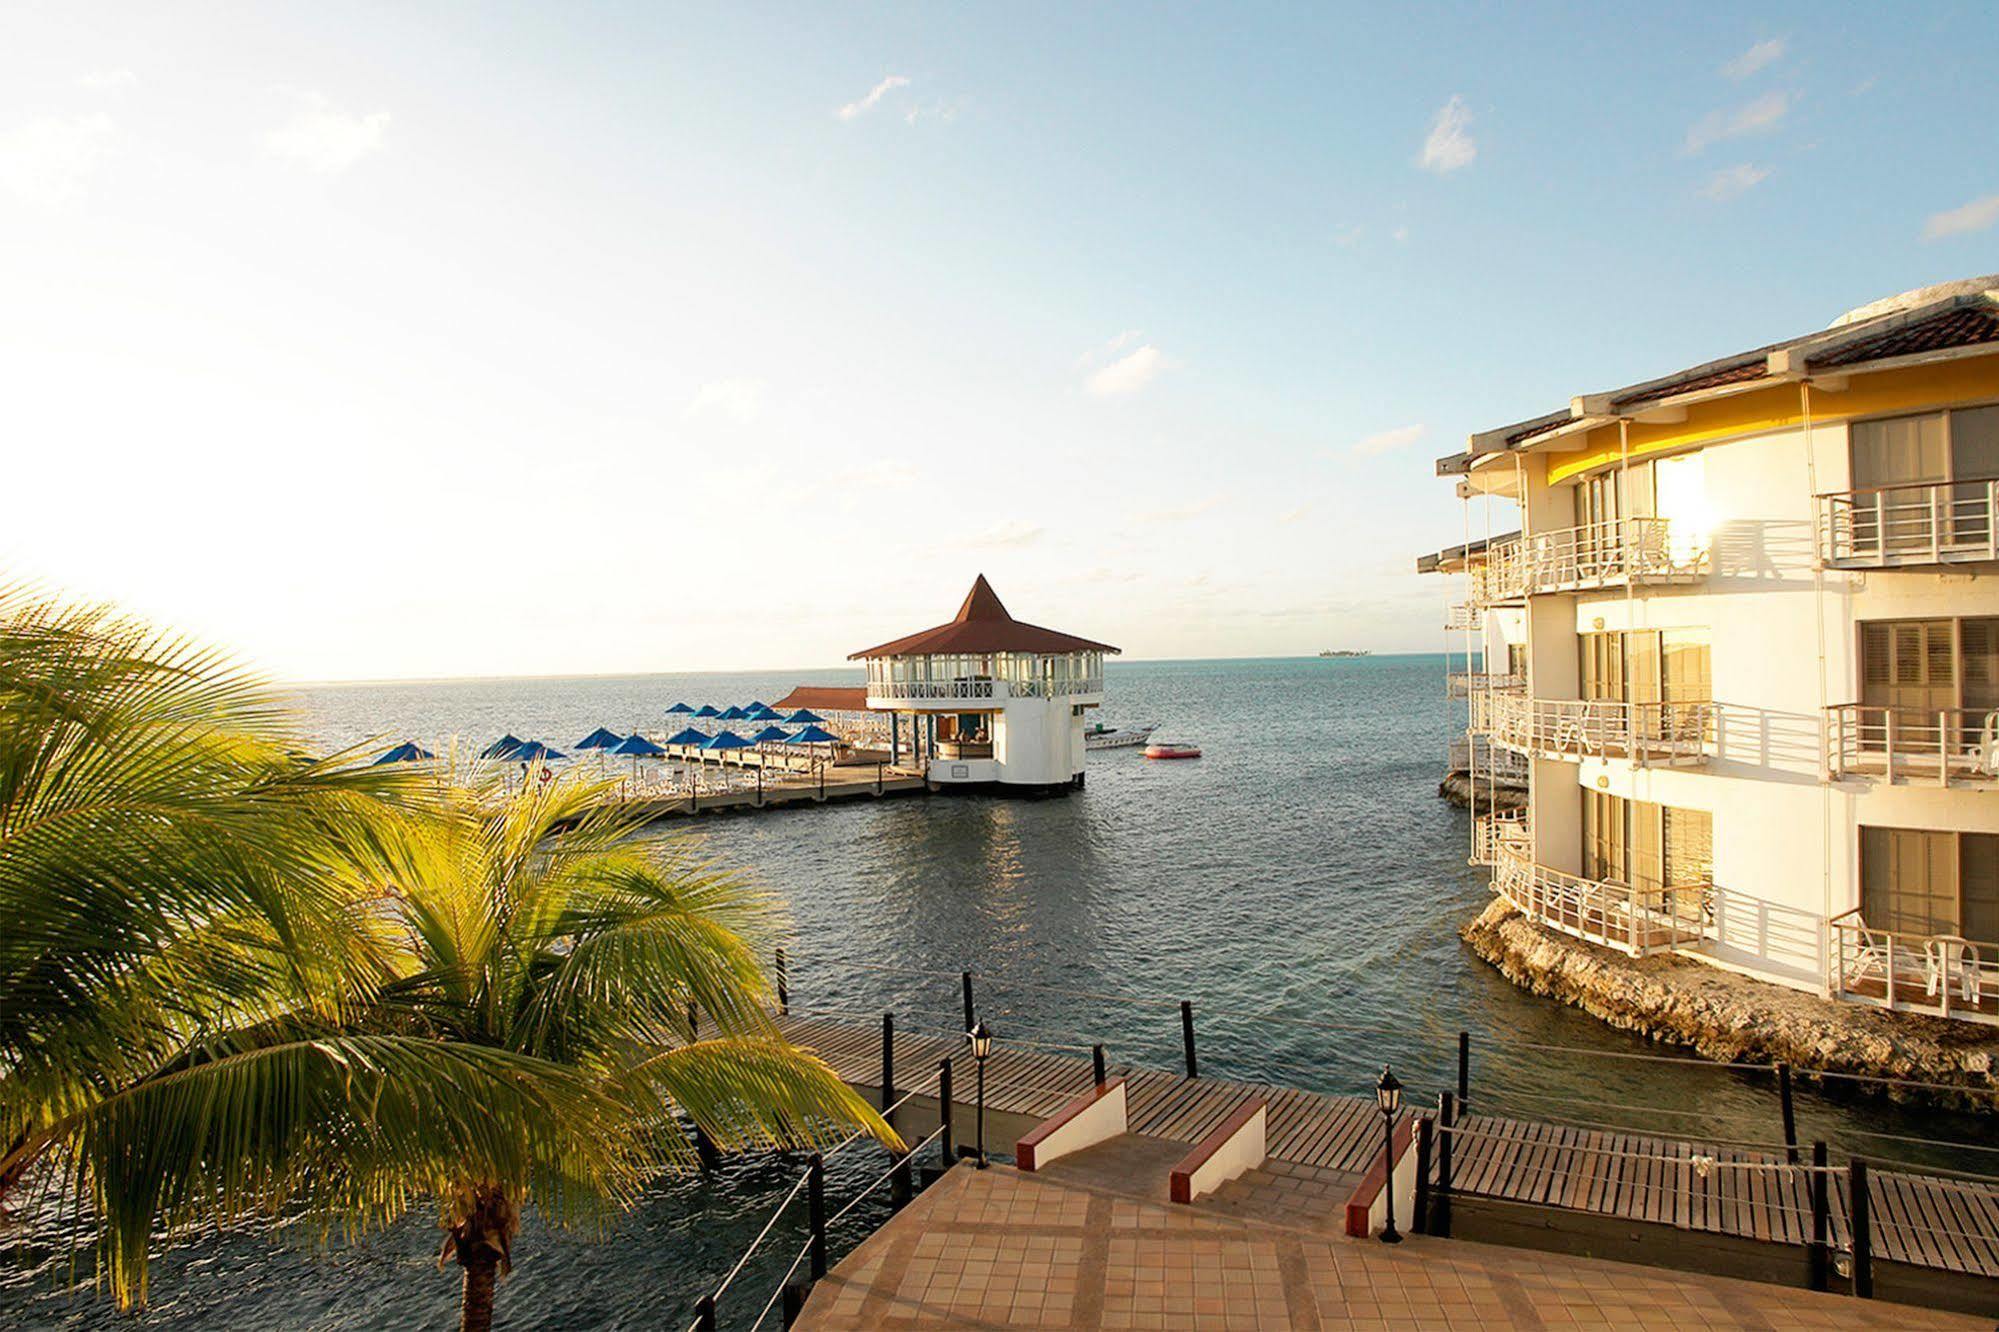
(476, 1310)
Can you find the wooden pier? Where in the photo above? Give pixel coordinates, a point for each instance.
(1945, 1226)
(780, 789)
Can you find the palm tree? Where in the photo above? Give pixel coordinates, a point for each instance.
(238, 981)
(542, 929)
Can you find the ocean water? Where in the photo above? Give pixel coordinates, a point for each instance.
(1301, 884)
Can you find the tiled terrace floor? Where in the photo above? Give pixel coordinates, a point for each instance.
(999, 1249)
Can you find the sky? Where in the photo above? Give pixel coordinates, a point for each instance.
(409, 340)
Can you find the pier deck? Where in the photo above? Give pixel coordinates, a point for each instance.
(1925, 1221)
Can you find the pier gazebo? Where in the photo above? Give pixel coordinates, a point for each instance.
(988, 700)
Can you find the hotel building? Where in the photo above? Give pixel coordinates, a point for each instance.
(1744, 650)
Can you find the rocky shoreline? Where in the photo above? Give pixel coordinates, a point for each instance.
(1457, 788)
(1729, 1017)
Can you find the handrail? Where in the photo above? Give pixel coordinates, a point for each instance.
(1927, 522)
(1945, 744)
(1600, 554)
(1633, 920)
(1954, 974)
(1597, 728)
(1461, 684)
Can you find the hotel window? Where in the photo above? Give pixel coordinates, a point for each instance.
(1651, 666)
(1920, 881)
(1957, 448)
(1674, 489)
(1651, 847)
(1918, 670)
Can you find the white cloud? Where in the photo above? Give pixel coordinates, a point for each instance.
(1730, 182)
(324, 138)
(1178, 513)
(1388, 440)
(1977, 215)
(875, 94)
(46, 161)
(1760, 56)
(1450, 144)
(1756, 117)
(737, 400)
(1128, 373)
(102, 80)
(882, 473)
(1013, 532)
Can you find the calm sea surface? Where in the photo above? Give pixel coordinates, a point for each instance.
(1302, 884)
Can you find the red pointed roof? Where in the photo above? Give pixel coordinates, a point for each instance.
(983, 625)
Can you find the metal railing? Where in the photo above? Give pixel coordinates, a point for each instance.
(1637, 921)
(1941, 522)
(1597, 728)
(1478, 755)
(963, 749)
(1510, 829)
(1948, 746)
(901, 690)
(1461, 684)
(1593, 555)
(1945, 975)
(1463, 615)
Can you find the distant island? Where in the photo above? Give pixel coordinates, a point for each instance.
(1344, 652)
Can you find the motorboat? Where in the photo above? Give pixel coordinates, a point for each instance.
(1172, 749)
(1101, 736)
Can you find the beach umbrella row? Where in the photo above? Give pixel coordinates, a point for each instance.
(755, 710)
(407, 752)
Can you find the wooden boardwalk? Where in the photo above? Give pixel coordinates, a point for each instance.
(1923, 1220)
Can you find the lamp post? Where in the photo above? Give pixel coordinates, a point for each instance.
(1388, 1095)
(982, 1045)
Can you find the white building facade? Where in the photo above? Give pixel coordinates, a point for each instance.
(1745, 643)
(988, 700)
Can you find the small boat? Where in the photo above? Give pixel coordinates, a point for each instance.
(1101, 736)
(1171, 749)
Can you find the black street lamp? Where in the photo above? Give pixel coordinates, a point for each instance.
(982, 1045)
(1388, 1095)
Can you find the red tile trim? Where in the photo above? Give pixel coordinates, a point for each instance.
(1023, 1149)
(1369, 1188)
(1180, 1184)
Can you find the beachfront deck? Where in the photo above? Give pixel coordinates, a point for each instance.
(1087, 1243)
(1505, 1176)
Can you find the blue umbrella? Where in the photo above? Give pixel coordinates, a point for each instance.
(766, 714)
(636, 746)
(732, 714)
(770, 735)
(601, 738)
(814, 735)
(534, 751)
(707, 710)
(678, 708)
(502, 748)
(757, 705)
(727, 740)
(805, 717)
(407, 752)
(690, 736)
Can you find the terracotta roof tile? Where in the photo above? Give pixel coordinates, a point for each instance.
(983, 625)
(1963, 327)
(825, 698)
(1741, 373)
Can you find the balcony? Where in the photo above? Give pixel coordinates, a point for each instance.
(1464, 615)
(1637, 921)
(1492, 832)
(1607, 554)
(1461, 684)
(1669, 733)
(1897, 527)
(1934, 746)
(1938, 974)
(1478, 755)
(977, 692)
(963, 749)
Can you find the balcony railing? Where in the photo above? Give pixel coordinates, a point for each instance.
(1478, 755)
(1886, 527)
(1597, 728)
(1947, 746)
(964, 749)
(1464, 615)
(1595, 555)
(1491, 832)
(1638, 921)
(1940, 974)
(1460, 684)
(920, 690)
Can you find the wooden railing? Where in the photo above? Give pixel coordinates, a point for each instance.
(1940, 974)
(1944, 522)
(1593, 555)
(1596, 728)
(1617, 915)
(1460, 684)
(1948, 746)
